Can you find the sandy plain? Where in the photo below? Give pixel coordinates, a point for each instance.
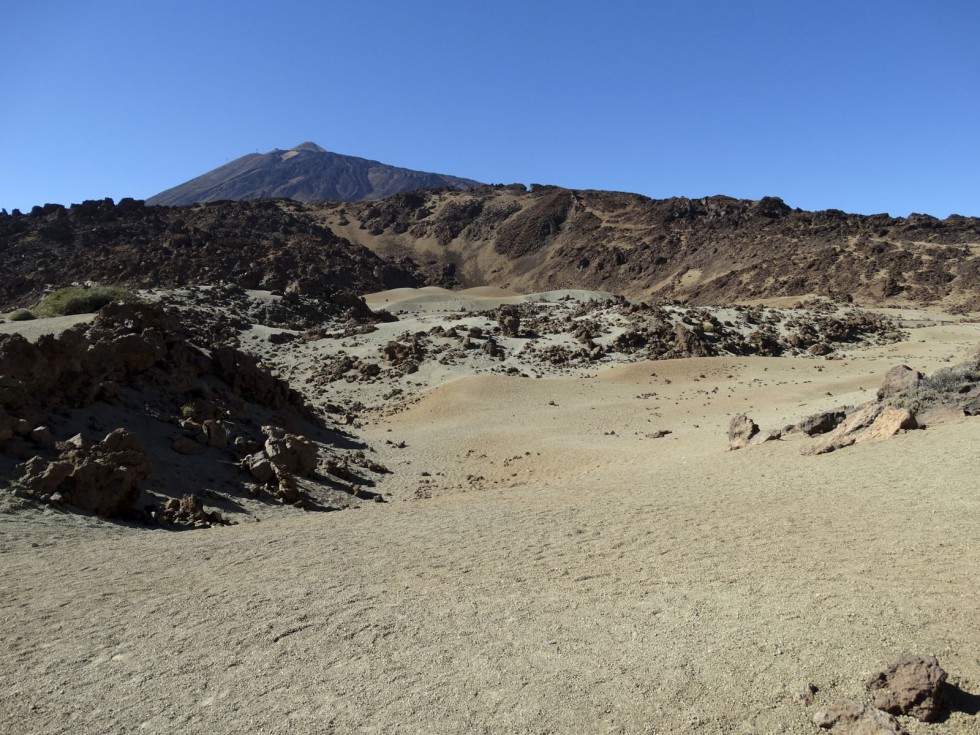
(542, 566)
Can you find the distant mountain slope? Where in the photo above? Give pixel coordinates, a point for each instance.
(306, 173)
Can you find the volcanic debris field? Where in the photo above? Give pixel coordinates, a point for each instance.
(425, 465)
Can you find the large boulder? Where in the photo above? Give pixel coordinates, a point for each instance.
(869, 421)
(898, 380)
(890, 422)
(741, 430)
(821, 423)
(913, 686)
(41, 478)
(295, 454)
(259, 466)
(509, 320)
(689, 343)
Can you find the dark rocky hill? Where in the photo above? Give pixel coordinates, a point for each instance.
(714, 250)
(306, 173)
(253, 244)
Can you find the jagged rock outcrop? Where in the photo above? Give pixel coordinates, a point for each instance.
(869, 421)
(509, 320)
(294, 454)
(912, 687)
(136, 361)
(102, 478)
(900, 378)
(741, 430)
(820, 423)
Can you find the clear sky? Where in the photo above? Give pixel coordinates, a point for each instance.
(866, 105)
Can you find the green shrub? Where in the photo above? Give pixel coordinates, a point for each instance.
(78, 300)
(20, 315)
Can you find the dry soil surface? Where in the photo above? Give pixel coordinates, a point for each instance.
(546, 566)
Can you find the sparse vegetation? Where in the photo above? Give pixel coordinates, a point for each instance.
(20, 315)
(943, 386)
(80, 300)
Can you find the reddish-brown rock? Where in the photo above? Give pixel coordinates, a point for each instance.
(913, 686)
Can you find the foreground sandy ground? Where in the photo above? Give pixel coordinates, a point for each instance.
(545, 567)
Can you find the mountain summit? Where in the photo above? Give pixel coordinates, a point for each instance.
(307, 173)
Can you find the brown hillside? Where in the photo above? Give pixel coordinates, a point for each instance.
(711, 250)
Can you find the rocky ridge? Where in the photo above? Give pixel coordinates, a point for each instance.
(715, 250)
(253, 244)
(712, 250)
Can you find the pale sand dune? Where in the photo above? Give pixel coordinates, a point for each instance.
(481, 298)
(589, 582)
(33, 329)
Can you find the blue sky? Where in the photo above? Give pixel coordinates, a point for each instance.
(862, 106)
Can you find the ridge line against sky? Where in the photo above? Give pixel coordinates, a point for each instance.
(869, 108)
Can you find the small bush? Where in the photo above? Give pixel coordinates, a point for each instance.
(20, 315)
(78, 300)
(952, 379)
(942, 386)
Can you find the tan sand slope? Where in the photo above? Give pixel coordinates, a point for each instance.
(35, 328)
(568, 574)
(434, 298)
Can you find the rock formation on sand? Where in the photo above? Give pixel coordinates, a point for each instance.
(867, 422)
(102, 478)
(853, 718)
(912, 687)
(135, 365)
(906, 400)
